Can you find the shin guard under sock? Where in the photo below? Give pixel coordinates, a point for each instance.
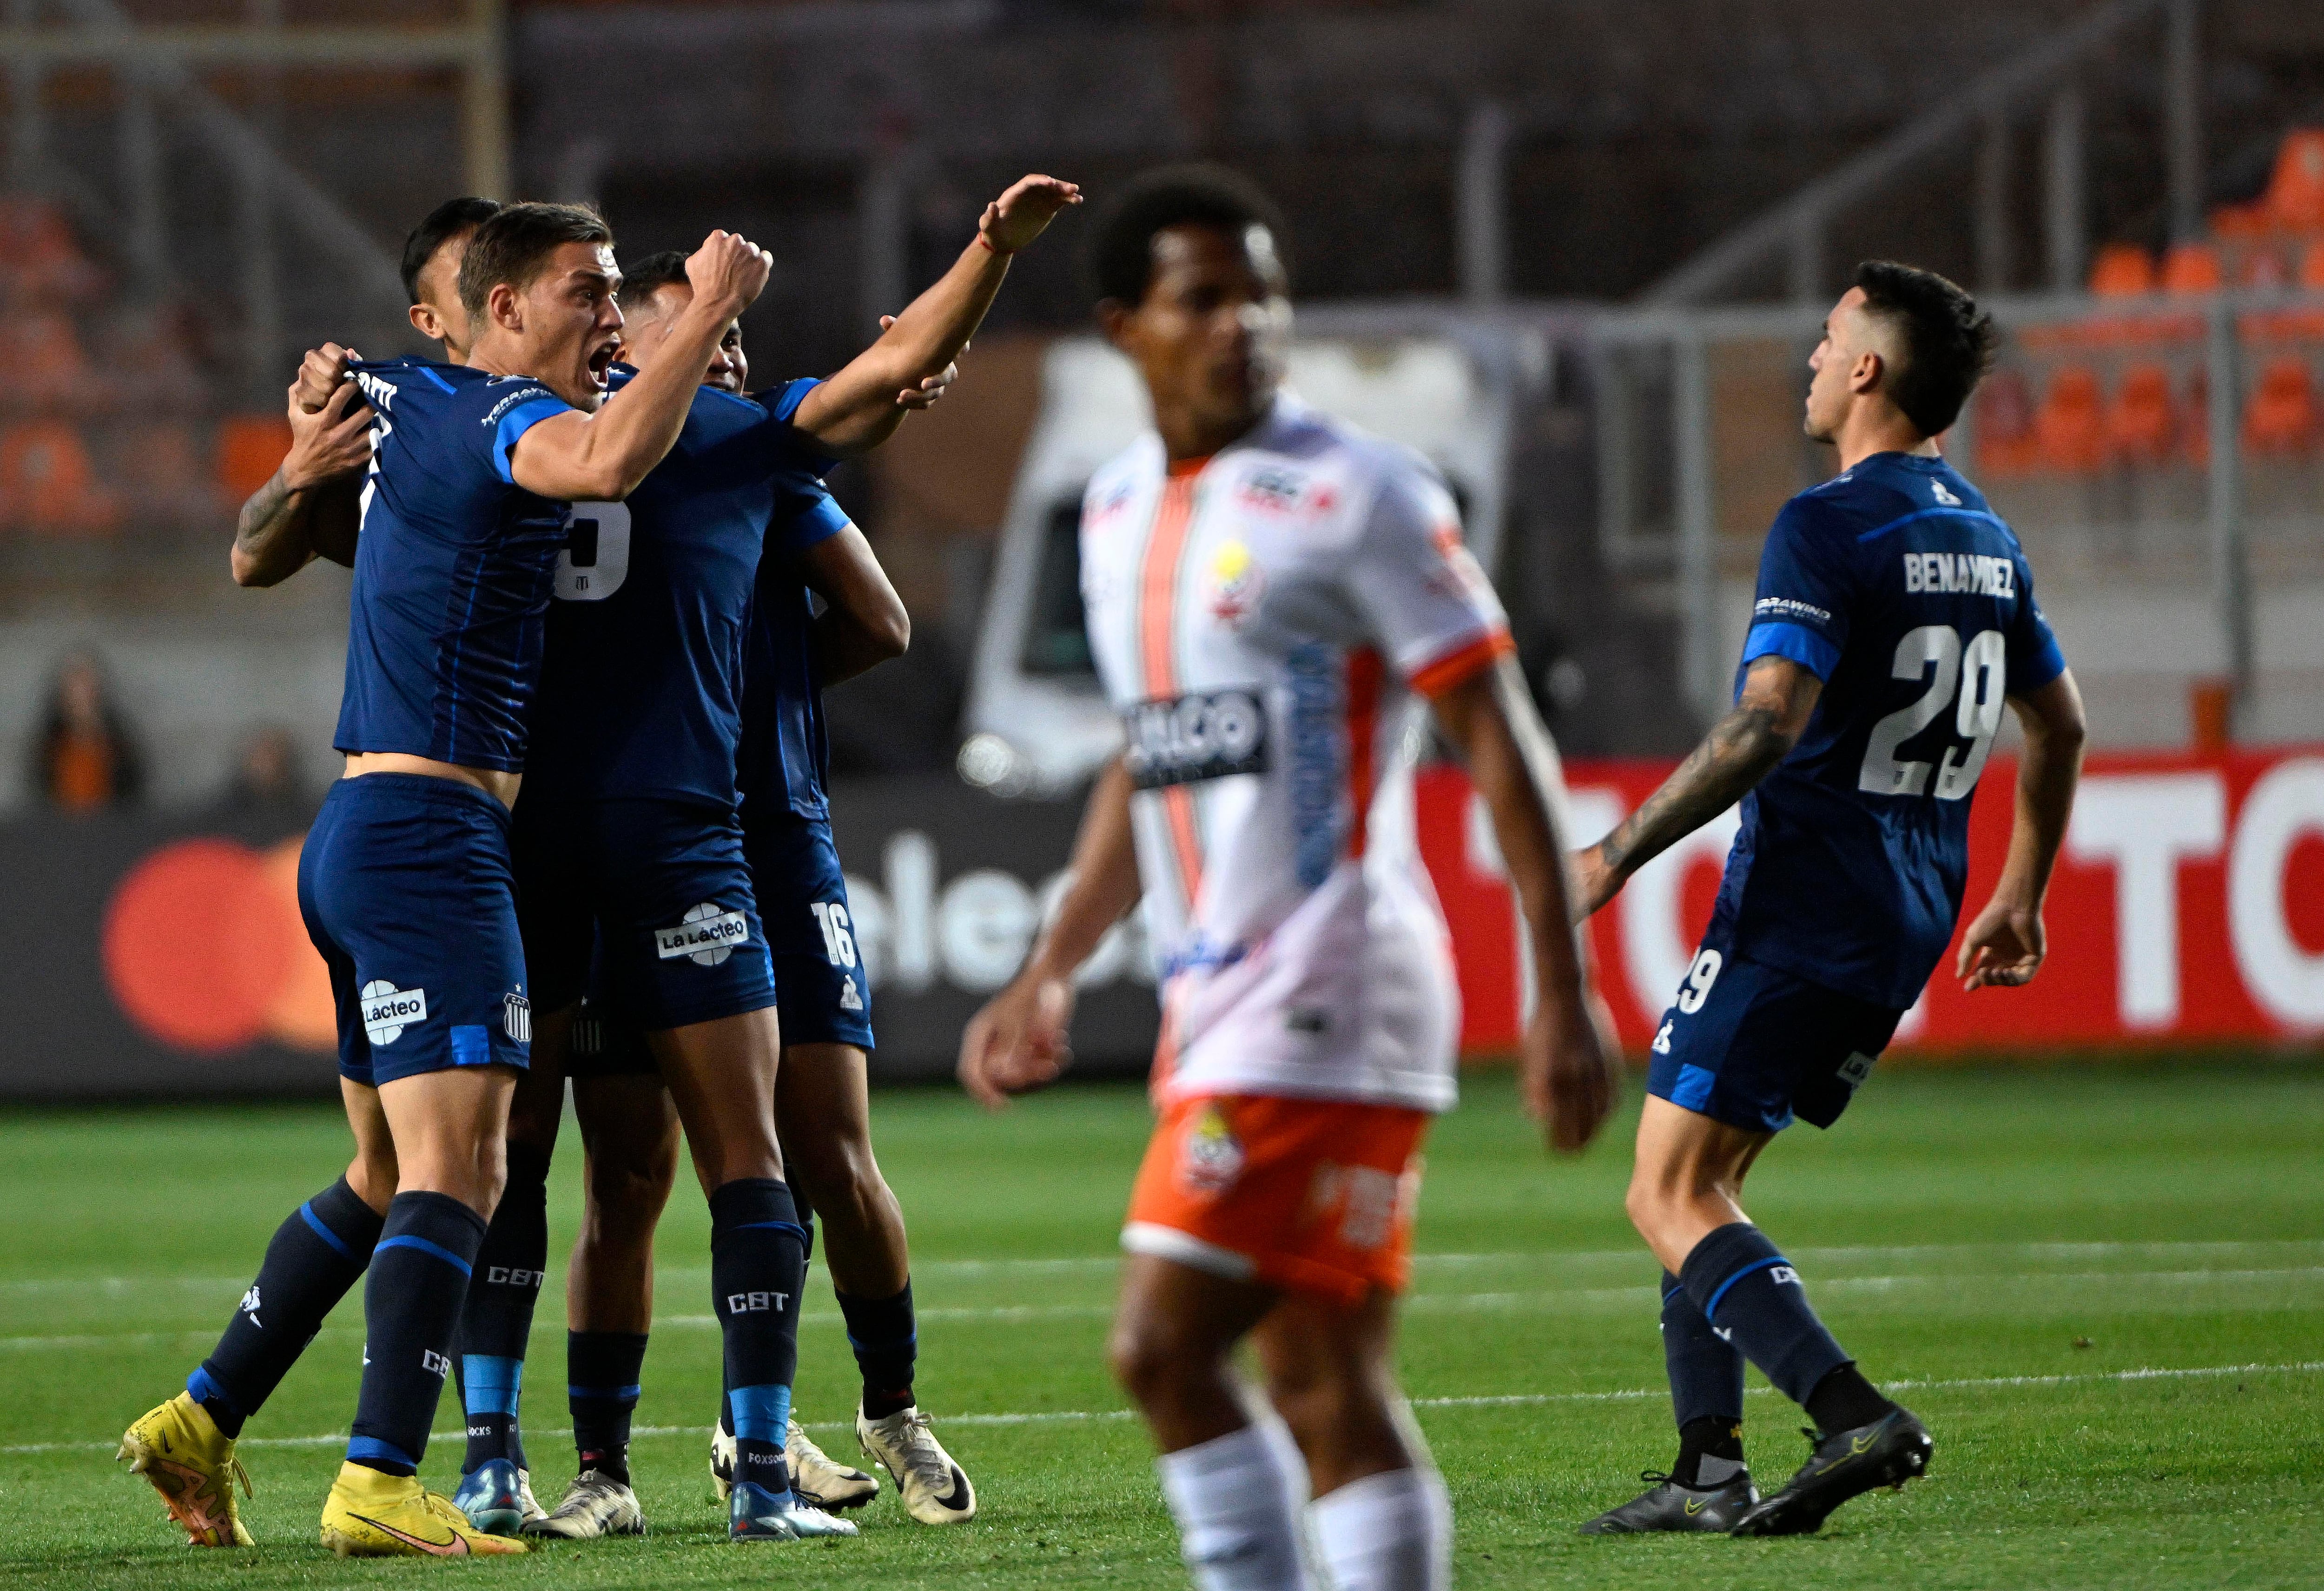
(886, 1337)
(315, 1257)
(1752, 1296)
(411, 1308)
(1391, 1531)
(1234, 1505)
(497, 1323)
(1706, 1382)
(603, 1369)
(758, 1268)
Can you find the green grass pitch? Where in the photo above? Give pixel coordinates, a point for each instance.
(2103, 1288)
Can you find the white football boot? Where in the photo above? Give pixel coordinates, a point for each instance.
(596, 1504)
(935, 1490)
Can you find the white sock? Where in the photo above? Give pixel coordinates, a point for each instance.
(1234, 1508)
(1391, 1531)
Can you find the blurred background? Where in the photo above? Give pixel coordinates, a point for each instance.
(1578, 253)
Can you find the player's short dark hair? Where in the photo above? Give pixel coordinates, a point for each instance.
(642, 278)
(516, 243)
(1949, 341)
(1121, 259)
(447, 221)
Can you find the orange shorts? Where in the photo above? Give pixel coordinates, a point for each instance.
(1312, 1195)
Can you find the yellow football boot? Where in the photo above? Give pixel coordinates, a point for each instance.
(370, 1514)
(180, 1449)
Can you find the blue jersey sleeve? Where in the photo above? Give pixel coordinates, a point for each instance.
(1804, 594)
(2034, 658)
(805, 514)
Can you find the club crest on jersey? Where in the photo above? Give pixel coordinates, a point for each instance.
(516, 1017)
(1201, 735)
(708, 934)
(1232, 583)
(388, 1010)
(1210, 1156)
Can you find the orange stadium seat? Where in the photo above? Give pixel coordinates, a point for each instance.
(2140, 424)
(250, 448)
(2122, 271)
(2002, 424)
(47, 485)
(2192, 270)
(2294, 200)
(2070, 427)
(40, 261)
(47, 366)
(2195, 436)
(2281, 416)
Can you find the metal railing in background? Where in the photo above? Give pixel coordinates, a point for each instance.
(1699, 435)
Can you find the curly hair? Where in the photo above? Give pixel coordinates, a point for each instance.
(1119, 262)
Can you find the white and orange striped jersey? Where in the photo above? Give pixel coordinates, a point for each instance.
(1266, 621)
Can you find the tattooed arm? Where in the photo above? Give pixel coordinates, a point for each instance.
(1741, 749)
(307, 509)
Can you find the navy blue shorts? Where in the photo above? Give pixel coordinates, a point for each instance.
(810, 930)
(645, 905)
(818, 969)
(407, 890)
(1753, 1046)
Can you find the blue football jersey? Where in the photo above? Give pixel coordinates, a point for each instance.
(452, 570)
(785, 753)
(1896, 586)
(642, 692)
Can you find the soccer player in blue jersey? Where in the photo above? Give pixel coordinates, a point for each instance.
(405, 881)
(632, 880)
(1894, 618)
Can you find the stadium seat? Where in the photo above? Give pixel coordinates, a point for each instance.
(2122, 271)
(41, 261)
(250, 448)
(2001, 425)
(2070, 427)
(47, 368)
(2195, 436)
(2191, 271)
(2140, 424)
(2294, 200)
(2280, 417)
(47, 484)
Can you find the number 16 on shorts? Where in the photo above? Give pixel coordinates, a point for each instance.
(838, 934)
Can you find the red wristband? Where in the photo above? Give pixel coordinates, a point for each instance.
(987, 242)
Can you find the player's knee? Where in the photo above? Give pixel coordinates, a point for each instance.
(1150, 1361)
(1647, 1200)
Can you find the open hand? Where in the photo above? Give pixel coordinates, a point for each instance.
(727, 272)
(2003, 947)
(1017, 1042)
(1569, 1069)
(1018, 217)
(329, 443)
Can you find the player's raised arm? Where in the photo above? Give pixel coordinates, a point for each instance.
(864, 623)
(1766, 722)
(2004, 946)
(862, 406)
(602, 457)
(308, 506)
(1567, 1060)
(1018, 1041)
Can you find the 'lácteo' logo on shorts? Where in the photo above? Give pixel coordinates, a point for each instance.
(388, 1010)
(1201, 735)
(709, 934)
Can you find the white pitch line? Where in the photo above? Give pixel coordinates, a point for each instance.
(117, 1286)
(1417, 1302)
(1497, 1400)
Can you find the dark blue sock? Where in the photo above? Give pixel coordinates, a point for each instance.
(496, 1322)
(1751, 1296)
(411, 1308)
(602, 1370)
(758, 1267)
(315, 1257)
(886, 1338)
(1706, 1372)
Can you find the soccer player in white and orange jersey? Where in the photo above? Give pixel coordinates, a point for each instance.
(1270, 594)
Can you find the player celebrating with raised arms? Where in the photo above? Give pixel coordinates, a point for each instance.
(405, 881)
(1271, 595)
(1894, 616)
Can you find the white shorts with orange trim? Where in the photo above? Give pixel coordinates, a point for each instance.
(1313, 1196)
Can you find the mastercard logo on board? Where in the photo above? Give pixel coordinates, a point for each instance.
(204, 950)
